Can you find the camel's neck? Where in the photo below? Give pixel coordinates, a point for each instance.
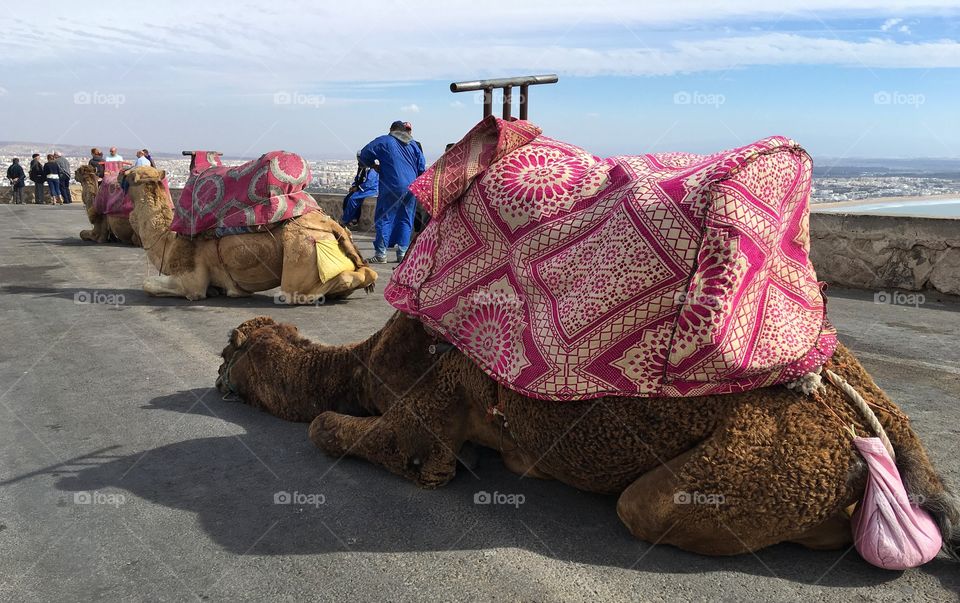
(88, 191)
(337, 376)
(151, 219)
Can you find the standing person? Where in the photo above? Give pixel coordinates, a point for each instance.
(398, 161)
(52, 171)
(96, 161)
(64, 165)
(146, 154)
(114, 156)
(17, 180)
(38, 177)
(365, 185)
(142, 160)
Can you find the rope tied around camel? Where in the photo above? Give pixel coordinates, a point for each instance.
(812, 382)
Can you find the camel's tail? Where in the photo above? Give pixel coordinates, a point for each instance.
(926, 488)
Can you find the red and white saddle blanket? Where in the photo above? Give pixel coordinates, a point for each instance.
(229, 199)
(569, 277)
(110, 199)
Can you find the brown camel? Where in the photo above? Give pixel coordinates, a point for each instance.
(242, 264)
(717, 475)
(105, 227)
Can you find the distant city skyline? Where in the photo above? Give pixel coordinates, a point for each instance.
(845, 78)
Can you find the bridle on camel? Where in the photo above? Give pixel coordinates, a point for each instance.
(163, 252)
(225, 377)
(812, 384)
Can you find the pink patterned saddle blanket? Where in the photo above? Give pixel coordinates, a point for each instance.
(264, 191)
(570, 277)
(110, 199)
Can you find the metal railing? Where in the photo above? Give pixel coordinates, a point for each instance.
(506, 84)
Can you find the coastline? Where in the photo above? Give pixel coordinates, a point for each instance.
(884, 200)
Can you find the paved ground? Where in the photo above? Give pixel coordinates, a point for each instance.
(111, 403)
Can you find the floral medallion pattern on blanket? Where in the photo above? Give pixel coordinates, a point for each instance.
(110, 199)
(567, 277)
(264, 191)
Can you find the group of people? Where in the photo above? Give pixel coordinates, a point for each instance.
(386, 168)
(55, 173)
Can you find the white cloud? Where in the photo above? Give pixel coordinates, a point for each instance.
(890, 24)
(196, 46)
(3, 91)
(904, 29)
(411, 108)
(457, 104)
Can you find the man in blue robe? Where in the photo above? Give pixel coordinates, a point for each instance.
(365, 185)
(398, 160)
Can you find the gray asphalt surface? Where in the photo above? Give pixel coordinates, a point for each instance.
(125, 476)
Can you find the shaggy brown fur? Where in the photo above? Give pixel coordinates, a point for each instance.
(239, 264)
(105, 228)
(777, 465)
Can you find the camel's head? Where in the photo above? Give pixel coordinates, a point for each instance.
(235, 350)
(146, 183)
(143, 175)
(86, 175)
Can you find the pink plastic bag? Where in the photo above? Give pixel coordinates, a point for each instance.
(888, 530)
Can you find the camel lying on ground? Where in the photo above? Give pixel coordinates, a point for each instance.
(240, 264)
(717, 475)
(105, 227)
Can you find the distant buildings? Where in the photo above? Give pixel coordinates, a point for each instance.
(335, 176)
(854, 188)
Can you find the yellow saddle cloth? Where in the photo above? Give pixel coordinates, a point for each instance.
(331, 261)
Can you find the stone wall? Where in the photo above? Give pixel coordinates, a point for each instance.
(886, 252)
(332, 204)
(6, 193)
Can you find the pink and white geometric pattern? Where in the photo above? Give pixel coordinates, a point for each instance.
(569, 277)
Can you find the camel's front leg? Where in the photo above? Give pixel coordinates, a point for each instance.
(164, 285)
(417, 438)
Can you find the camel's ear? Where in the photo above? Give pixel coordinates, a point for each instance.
(237, 338)
(239, 335)
(163, 174)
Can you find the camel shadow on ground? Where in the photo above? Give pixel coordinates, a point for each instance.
(70, 242)
(237, 487)
(111, 298)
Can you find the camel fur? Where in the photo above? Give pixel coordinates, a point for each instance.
(105, 227)
(773, 465)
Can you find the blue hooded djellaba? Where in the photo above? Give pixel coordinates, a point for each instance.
(399, 160)
(365, 185)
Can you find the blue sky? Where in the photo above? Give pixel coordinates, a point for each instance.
(846, 78)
